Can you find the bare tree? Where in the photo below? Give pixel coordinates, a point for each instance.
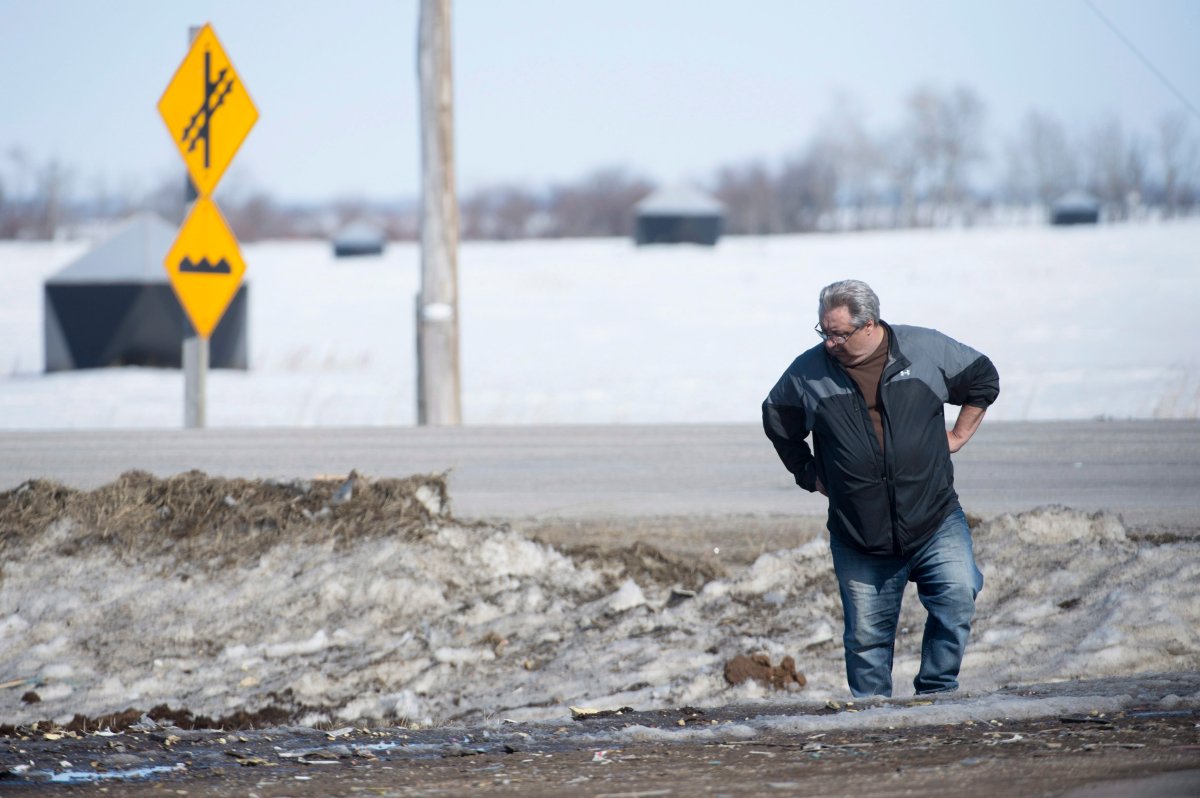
(751, 202)
(516, 211)
(601, 204)
(923, 132)
(36, 199)
(500, 212)
(166, 198)
(1116, 167)
(257, 217)
(902, 165)
(1042, 165)
(1179, 156)
(945, 137)
(107, 202)
(806, 191)
(53, 186)
(843, 144)
(5, 213)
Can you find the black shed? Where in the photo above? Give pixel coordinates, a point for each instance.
(678, 215)
(358, 238)
(115, 306)
(1075, 207)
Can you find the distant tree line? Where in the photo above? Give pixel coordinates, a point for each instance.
(925, 172)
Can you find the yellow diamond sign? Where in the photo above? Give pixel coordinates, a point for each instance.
(207, 110)
(205, 266)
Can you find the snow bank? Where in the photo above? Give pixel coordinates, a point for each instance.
(474, 622)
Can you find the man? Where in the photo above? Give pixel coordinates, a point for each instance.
(872, 396)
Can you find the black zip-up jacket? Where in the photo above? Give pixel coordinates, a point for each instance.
(890, 501)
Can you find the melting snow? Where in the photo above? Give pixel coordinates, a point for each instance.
(476, 622)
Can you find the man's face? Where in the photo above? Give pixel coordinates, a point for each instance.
(860, 343)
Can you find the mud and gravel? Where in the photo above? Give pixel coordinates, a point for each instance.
(1143, 749)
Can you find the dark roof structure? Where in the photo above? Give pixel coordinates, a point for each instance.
(114, 306)
(358, 238)
(1075, 207)
(678, 215)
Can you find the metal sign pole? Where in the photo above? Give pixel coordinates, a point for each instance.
(195, 372)
(195, 348)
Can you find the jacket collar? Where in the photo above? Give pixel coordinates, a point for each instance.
(896, 360)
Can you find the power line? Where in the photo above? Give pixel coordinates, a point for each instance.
(1144, 59)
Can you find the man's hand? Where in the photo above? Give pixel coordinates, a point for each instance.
(969, 418)
(820, 487)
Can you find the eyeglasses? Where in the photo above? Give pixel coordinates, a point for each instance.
(837, 340)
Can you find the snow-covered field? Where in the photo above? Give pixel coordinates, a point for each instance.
(1082, 323)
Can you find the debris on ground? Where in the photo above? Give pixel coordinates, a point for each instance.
(758, 667)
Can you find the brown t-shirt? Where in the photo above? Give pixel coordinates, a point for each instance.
(867, 374)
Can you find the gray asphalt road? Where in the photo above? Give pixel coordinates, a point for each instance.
(1147, 471)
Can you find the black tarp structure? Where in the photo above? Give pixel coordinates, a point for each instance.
(115, 306)
(678, 215)
(1075, 207)
(358, 238)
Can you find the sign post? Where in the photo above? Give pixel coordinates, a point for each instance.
(209, 114)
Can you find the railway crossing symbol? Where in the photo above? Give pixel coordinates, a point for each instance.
(205, 266)
(208, 113)
(207, 110)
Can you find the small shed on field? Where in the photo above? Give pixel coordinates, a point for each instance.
(678, 215)
(358, 238)
(1075, 207)
(114, 306)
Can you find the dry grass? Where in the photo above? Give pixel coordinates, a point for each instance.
(214, 520)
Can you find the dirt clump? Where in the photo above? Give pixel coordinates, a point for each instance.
(644, 564)
(758, 667)
(270, 716)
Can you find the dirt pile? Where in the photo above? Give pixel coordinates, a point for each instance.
(759, 668)
(645, 564)
(221, 522)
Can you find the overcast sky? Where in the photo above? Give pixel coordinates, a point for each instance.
(549, 90)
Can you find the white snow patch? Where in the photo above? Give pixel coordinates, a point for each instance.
(628, 596)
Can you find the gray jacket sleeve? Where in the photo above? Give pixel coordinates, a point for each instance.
(787, 428)
(971, 378)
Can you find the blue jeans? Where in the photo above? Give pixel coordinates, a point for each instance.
(872, 587)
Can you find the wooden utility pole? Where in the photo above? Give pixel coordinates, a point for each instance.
(439, 400)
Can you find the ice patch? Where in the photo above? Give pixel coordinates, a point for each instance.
(459, 657)
(648, 734)
(318, 642)
(628, 596)
(84, 776)
(944, 713)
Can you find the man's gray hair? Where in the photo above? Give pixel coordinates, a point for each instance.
(855, 296)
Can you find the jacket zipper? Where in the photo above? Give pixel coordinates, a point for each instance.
(889, 482)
